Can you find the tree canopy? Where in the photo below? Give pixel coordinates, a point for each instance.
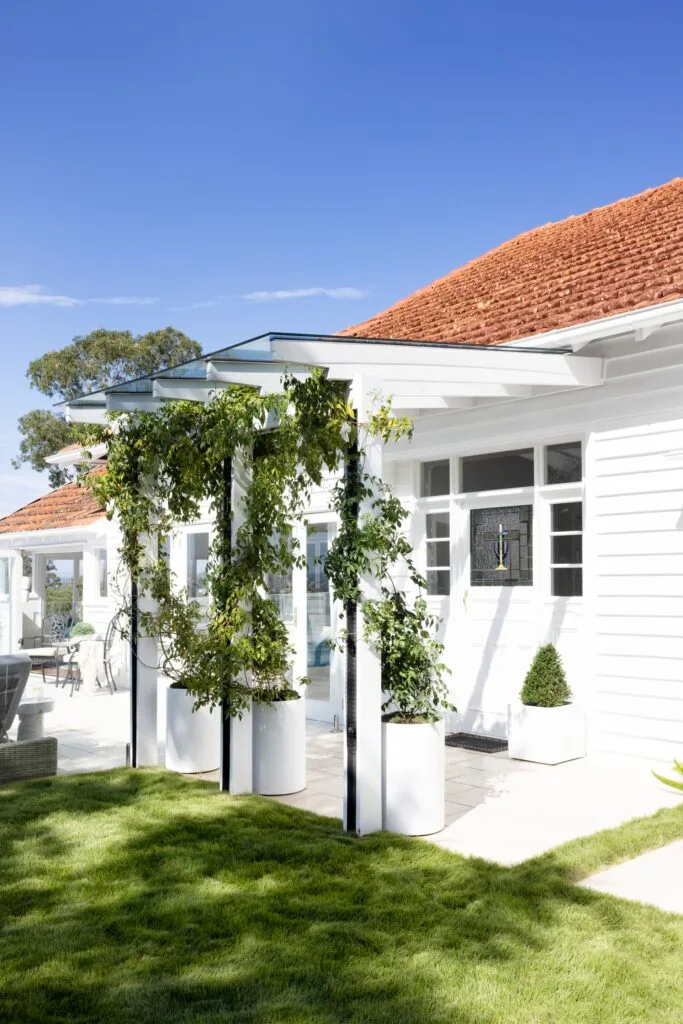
(91, 362)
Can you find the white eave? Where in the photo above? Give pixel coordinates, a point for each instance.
(75, 456)
(420, 376)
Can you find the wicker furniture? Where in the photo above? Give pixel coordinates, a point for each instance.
(14, 673)
(28, 759)
(25, 759)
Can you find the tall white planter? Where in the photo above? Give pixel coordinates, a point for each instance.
(279, 747)
(413, 770)
(192, 737)
(546, 735)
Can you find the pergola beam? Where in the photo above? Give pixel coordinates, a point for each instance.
(497, 364)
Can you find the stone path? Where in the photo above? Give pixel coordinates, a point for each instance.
(655, 877)
(502, 810)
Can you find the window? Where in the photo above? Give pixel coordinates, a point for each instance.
(501, 546)
(197, 560)
(279, 588)
(498, 471)
(563, 463)
(4, 577)
(438, 553)
(102, 577)
(566, 553)
(435, 478)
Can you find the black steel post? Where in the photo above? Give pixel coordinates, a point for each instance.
(351, 480)
(134, 670)
(225, 525)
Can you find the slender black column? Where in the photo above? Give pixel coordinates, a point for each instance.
(225, 526)
(351, 475)
(134, 670)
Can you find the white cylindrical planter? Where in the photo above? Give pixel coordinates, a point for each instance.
(192, 737)
(413, 770)
(279, 747)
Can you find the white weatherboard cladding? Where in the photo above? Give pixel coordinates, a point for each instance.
(622, 643)
(638, 707)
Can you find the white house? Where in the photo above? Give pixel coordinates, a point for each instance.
(544, 477)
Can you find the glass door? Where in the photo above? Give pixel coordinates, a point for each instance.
(324, 696)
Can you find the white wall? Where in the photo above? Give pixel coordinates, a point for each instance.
(623, 641)
(638, 519)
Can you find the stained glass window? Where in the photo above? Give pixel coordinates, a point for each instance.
(501, 546)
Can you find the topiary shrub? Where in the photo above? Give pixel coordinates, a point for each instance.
(546, 685)
(82, 629)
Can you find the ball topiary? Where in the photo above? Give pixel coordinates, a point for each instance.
(82, 629)
(546, 685)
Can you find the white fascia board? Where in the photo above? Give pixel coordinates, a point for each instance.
(77, 455)
(186, 390)
(406, 403)
(87, 414)
(265, 375)
(495, 364)
(446, 389)
(54, 540)
(577, 336)
(132, 401)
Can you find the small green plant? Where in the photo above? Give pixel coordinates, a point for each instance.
(82, 629)
(674, 783)
(546, 685)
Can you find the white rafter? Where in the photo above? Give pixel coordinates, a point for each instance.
(419, 376)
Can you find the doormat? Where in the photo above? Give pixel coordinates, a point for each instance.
(482, 744)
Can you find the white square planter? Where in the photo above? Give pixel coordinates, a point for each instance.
(546, 735)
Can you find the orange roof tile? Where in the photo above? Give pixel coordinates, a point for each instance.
(612, 260)
(76, 446)
(70, 505)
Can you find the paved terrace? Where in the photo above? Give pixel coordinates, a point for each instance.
(503, 810)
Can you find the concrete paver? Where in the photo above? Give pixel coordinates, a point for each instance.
(654, 878)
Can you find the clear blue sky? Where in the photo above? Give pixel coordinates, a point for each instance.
(197, 153)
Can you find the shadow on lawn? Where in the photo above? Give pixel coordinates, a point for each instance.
(139, 896)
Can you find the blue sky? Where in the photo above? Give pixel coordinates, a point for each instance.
(166, 162)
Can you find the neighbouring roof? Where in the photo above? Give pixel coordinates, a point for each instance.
(75, 447)
(615, 259)
(66, 506)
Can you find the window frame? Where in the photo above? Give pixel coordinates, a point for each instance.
(6, 579)
(102, 559)
(519, 488)
(430, 510)
(577, 499)
(189, 538)
(540, 496)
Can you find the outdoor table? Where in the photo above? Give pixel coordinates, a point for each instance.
(31, 713)
(42, 656)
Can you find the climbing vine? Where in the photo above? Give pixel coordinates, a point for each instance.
(166, 468)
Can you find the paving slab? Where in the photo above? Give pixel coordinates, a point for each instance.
(526, 813)
(655, 878)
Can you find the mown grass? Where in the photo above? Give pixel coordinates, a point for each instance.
(144, 897)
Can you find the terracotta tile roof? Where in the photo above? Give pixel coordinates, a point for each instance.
(612, 260)
(76, 446)
(70, 505)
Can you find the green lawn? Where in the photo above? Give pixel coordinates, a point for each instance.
(142, 896)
